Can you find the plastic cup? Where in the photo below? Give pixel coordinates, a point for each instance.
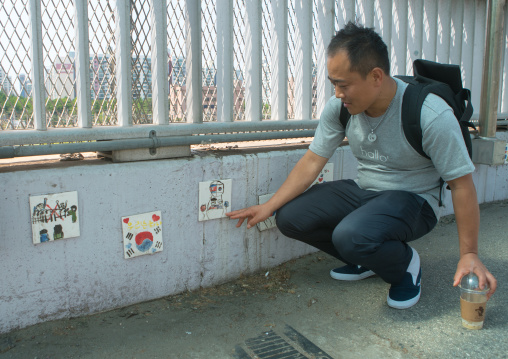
(473, 302)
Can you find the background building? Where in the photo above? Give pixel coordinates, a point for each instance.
(62, 78)
(101, 74)
(5, 82)
(25, 86)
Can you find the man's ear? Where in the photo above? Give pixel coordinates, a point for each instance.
(377, 76)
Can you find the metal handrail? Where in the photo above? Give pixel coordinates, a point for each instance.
(56, 135)
(151, 142)
(148, 136)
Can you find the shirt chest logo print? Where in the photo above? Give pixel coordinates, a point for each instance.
(374, 155)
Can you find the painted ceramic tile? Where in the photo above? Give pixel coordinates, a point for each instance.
(326, 174)
(142, 234)
(270, 221)
(54, 216)
(214, 199)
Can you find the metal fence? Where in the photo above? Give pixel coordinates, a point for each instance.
(125, 68)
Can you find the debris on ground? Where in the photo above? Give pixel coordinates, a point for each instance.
(71, 157)
(275, 281)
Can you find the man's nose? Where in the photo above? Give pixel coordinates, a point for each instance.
(338, 92)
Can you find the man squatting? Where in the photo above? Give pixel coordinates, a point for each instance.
(368, 222)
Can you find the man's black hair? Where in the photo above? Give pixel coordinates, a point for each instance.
(364, 47)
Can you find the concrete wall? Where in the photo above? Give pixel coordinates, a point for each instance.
(87, 274)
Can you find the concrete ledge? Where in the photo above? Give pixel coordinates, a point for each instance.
(489, 151)
(146, 154)
(88, 274)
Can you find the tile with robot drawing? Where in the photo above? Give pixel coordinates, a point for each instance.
(214, 199)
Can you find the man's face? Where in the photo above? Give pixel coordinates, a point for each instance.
(357, 93)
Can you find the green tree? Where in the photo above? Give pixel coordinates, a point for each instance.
(20, 105)
(50, 106)
(69, 105)
(30, 106)
(3, 98)
(106, 104)
(98, 104)
(147, 105)
(59, 106)
(10, 104)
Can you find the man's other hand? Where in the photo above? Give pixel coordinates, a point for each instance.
(471, 263)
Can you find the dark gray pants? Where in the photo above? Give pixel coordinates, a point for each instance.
(356, 226)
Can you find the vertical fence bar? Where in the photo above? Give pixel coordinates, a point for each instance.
(325, 19)
(456, 34)
(503, 97)
(253, 70)
(303, 60)
(82, 65)
(194, 92)
(123, 58)
(414, 33)
(467, 44)
(279, 65)
(365, 12)
(398, 37)
(383, 24)
(160, 85)
(491, 68)
(38, 89)
(346, 11)
(430, 30)
(480, 24)
(224, 60)
(443, 31)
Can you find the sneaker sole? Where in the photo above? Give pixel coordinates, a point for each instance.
(403, 305)
(351, 277)
(410, 302)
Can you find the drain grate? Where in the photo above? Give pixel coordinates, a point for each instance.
(287, 345)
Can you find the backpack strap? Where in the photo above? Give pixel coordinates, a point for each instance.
(415, 95)
(344, 116)
(464, 122)
(412, 103)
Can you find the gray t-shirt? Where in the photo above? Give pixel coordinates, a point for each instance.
(390, 162)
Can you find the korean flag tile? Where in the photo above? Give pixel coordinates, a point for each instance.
(142, 234)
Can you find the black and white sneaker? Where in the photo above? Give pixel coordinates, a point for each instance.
(407, 293)
(351, 272)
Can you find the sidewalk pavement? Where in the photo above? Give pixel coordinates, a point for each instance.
(297, 309)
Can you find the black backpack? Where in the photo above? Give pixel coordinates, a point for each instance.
(443, 80)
